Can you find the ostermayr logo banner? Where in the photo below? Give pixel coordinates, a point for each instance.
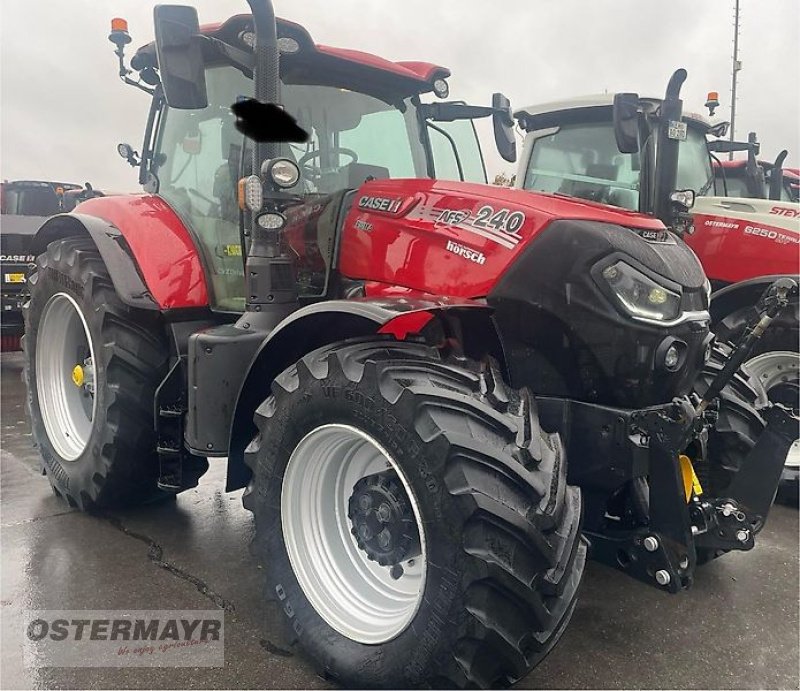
(124, 638)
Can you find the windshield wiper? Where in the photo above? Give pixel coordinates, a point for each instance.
(701, 192)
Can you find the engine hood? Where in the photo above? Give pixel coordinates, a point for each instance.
(456, 238)
(561, 206)
(551, 206)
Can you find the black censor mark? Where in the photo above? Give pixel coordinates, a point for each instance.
(266, 122)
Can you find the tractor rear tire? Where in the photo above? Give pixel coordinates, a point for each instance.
(479, 594)
(92, 366)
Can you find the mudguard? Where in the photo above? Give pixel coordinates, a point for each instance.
(116, 255)
(150, 254)
(740, 294)
(303, 331)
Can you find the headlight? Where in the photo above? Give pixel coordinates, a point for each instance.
(282, 172)
(271, 221)
(441, 88)
(640, 295)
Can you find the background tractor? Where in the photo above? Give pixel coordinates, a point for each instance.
(579, 148)
(25, 205)
(750, 177)
(734, 180)
(410, 375)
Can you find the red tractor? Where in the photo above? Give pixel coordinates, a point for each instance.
(424, 385)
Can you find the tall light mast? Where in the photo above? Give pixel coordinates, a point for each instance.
(737, 65)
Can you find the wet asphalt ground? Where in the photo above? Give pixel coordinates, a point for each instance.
(736, 628)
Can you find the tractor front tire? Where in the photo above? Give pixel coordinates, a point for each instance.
(92, 366)
(413, 518)
(775, 367)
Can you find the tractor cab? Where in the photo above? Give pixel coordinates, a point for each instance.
(571, 148)
(365, 120)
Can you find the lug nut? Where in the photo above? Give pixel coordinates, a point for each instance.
(662, 577)
(385, 539)
(650, 543)
(742, 535)
(384, 512)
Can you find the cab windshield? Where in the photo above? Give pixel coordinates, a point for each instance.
(582, 160)
(354, 137)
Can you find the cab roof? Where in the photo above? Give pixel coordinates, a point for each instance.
(543, 115)
(340, 66)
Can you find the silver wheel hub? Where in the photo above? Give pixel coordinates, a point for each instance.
(775, 369)
(345, 506)
(65, 376)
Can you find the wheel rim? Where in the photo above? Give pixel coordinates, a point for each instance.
(773, 370)
(65, 376)
(355, 595)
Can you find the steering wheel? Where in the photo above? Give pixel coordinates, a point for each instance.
(311, 155)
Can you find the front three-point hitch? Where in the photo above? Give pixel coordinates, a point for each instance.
(675, 520)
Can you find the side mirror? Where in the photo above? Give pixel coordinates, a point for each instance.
(503, 121)
(720, 129)
(626, 122)
(180, 57)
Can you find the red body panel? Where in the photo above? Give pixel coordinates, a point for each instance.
(165, 251)
(733, 250)
(422, 72)
(431, 236)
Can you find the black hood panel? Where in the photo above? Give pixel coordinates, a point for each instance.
(564, 335)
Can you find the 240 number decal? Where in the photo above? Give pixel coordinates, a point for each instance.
(504, 220)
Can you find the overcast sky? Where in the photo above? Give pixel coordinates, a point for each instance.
(63, 108)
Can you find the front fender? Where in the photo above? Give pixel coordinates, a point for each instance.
(116, 254)
(306, 330)
(153, 237)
